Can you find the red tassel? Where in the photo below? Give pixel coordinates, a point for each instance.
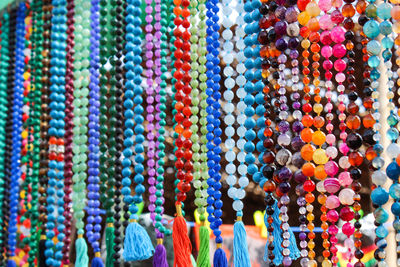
(181, 241)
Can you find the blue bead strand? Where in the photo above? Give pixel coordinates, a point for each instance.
(133, 104)
(55, 191)
(17, 128)
(213, 119)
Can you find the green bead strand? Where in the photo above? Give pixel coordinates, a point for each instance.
(81, 111)
(199, 78)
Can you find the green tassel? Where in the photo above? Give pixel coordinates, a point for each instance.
(110, 246)
(203, 259)
(82, 258)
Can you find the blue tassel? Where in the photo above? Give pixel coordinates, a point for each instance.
(82, 258)
(241, 256)
(11, 263)
(220, 258)
(277, 233)
(137, 243)
(294, 250)
(97, 262)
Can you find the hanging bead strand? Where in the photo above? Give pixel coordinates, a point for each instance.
(16, 130)
(55, 192)
(379, 194)
(93, 225)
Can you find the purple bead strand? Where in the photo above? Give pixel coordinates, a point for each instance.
(151, 153)
(93, 227)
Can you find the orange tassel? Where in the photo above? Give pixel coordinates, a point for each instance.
(181, 241)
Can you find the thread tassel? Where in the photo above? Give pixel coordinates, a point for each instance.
(110, 245)
(181, 241)
(220, 257)
(240, 249)
(160, 255)
(203, 259)
(82, 258)
(294, 250)
(137, 243)
(277, 234)
(97, 261)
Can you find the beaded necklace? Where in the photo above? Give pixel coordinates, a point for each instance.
(44, 127)
(69, 133)
(107, 180)
(266, 180)
(241, 254)
(392, 170)
(81, 74)
(331, 183)
(16, 129)
(379, 195)
(396, 204)
(9, 129)
(353, 140)
(267, 155)
(34, 135)
(24, 220)
(133, 113)
(115, 125)
(199, 105)
(347, 193)
(182, 246)
(306, 134)
(283, 156)
(329, 169)
(368, 120)
(297, 143)
(150, 108)
(160, 257)
(55, 191)
(214, 131)
(93, 226)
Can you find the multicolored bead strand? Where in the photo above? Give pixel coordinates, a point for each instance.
(308, 149)
(44, 127)
(265, 177)
(396, 204)
(354, 140)
(55, 192)
(379, 195)
(33, 122)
